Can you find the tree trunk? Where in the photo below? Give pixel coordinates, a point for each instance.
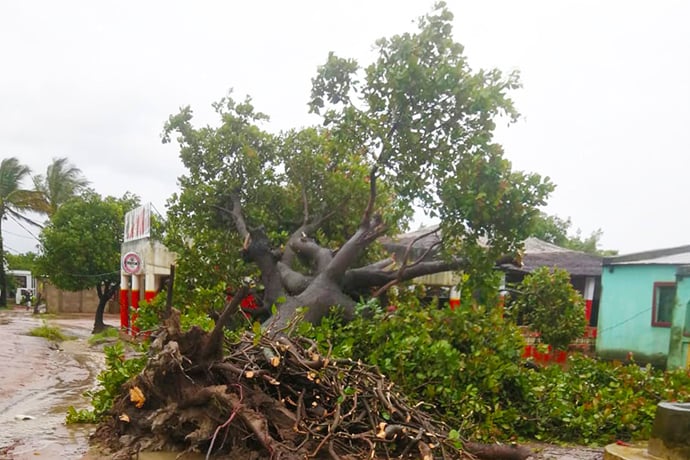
(104, 294)
(3, 276)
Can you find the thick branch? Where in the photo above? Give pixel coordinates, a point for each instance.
(307, 228)
(320, 257)
(236, 214)
(347, 255)
(293, 281)
(359, 278)
(215, 338)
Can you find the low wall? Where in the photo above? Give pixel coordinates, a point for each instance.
(58, 301)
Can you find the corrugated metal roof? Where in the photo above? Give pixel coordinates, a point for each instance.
(670, 256)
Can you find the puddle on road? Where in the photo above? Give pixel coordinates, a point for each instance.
(37, 384)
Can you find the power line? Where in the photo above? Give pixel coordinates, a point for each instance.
(25, 229)
(158, 212)
(17, 234)
(11, 249)
(627, 320)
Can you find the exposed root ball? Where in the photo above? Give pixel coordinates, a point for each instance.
(268, 397)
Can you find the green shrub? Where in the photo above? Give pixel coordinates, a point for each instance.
(465, 364)
(551, 306)
(149, 313)
(118, 370)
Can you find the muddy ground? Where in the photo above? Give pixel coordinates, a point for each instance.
(39, 380)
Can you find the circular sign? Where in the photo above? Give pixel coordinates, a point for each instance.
(131, 263)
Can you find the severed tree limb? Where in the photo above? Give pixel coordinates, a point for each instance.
(213, 348)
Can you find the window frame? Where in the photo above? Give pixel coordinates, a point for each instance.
(661, 284)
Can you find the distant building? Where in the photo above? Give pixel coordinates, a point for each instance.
(24, 284)
(584, 269)
(145, 264)
(644, 307)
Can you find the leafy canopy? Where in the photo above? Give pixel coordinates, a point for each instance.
(81, 243)
(415, 126)
(556, 230)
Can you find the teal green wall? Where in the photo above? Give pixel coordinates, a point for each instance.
(625, 313)
(680, 327)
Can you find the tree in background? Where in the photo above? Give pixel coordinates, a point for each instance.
(550, 305)
(555, 230)
(25, 261)
(80, 246)
(303, 210)
(62, 182)
(15, 202)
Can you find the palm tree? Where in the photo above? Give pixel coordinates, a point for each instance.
(61, 182)
(14, 201)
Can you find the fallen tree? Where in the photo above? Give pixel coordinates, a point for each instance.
(301, 211)
(271, 396)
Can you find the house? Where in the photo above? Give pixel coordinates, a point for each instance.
(644, 307)
(584, 269)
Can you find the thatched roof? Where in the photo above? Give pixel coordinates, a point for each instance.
(537, 253)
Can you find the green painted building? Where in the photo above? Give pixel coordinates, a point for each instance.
(644, 311)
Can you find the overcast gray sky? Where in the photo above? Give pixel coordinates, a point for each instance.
(605, 102)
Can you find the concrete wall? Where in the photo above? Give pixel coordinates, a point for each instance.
(58, 301)
(625, 313)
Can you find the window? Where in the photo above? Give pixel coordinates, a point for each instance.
(662, 304)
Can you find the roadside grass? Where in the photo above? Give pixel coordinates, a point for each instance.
(109, 334)
(46, 331)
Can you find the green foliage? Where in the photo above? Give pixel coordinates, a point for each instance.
(202, 301)
(462, 363)
(418, 120)
(551, 306)
(25, 261)
(107, 335)
(555, 230)
(46, 331)
(465, 365)
(62, 182)
(15, 202)
(594, 402)
(118, 369)
(81, 244)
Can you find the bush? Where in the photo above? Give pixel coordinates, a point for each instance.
(118, 370)
(465, 365)
(551, 306)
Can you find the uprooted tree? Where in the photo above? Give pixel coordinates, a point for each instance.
(302, 213)
(302, 210)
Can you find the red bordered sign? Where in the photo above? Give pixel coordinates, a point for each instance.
(131, 263)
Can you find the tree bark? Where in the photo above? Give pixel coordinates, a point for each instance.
(3, 275)
(105, 293)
